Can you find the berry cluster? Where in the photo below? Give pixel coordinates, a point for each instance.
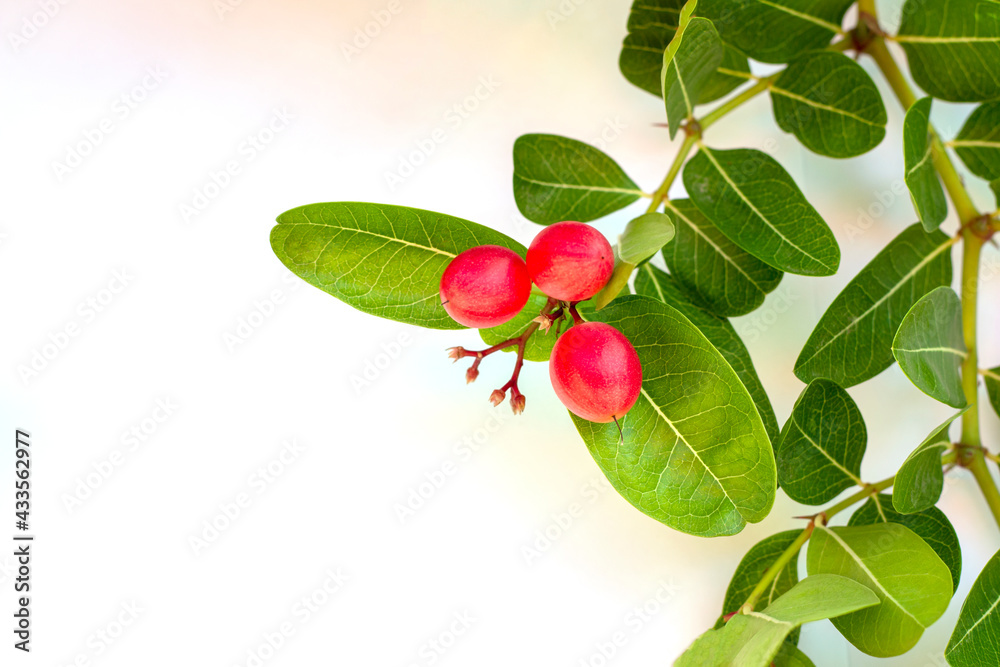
(594, 369)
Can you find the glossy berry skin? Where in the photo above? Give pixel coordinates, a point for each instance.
(570, 261)
(595, 372)
(485, 286)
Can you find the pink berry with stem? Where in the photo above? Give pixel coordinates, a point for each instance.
(570, 261)
(595, 372)
(485, 286)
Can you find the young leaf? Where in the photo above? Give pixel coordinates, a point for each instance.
(775, 31)
(690, 61)
(978, 143)
(911, 581)
(931, 525)
(820, 449)
(750, 570)
(539, 346)
(853, 340)
(655, 284)
(920, 480)
(728, 279)
(644, 236)
(930, 346)
(992, 378)
(976, 640)
(953, 48)
(755, 202)
(830, 103)
(921, 177)
(695, 454)
(753, 639)
(383, 260)
(558, 179)
(651, 25)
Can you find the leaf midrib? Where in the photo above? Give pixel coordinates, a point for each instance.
(802, 15)
(825, 453)
(905, 279)
(571, 186)
(708, 153)
(850, 552)
(719, 250)
(825, 107)
(369, 233)
(974, 626)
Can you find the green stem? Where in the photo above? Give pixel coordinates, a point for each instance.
(960, 197)
(821, 519)
(736, 102)
(661, 193)
(971, 451)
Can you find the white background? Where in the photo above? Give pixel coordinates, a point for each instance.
(193, 280)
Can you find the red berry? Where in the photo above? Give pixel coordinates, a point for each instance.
(595, 372)
(485, 286)
(570, 261)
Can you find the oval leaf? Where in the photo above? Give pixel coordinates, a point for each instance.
(655, 284)
(911, 581)
(754, 639)
(921, 177)
(775, 31)
(689, 63)
(695, 454)
(978, 143)
(920, 480)
(644, 236)
(727, 278)
(976, 640)
(383, 260)
(820, 449)
(853, 340)
(931, 525)
(755, 202)
(830, 104)
(930, 346)
(953, 48)
(752, 568)
(992, 378)
(558, 179)
(790, 656)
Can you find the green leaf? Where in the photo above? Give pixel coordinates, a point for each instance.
(652, 25)
(728, 279)
(930, 346)
(775, 31)
(976, 640)
(820, 449)
(911, 581)
(978, 143)
(920, 479)
(790, 656)
(755, 202)
(644, 236)
(751, 570)
(921, 177)
(695, 454)
(753, 639)
(953, 47)
(655, 284)
(931, 525)
(853, 340)
(690, 61)
(558, 179)
(830, 103)
(992, 378)
(539, 346)
(383, 260)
